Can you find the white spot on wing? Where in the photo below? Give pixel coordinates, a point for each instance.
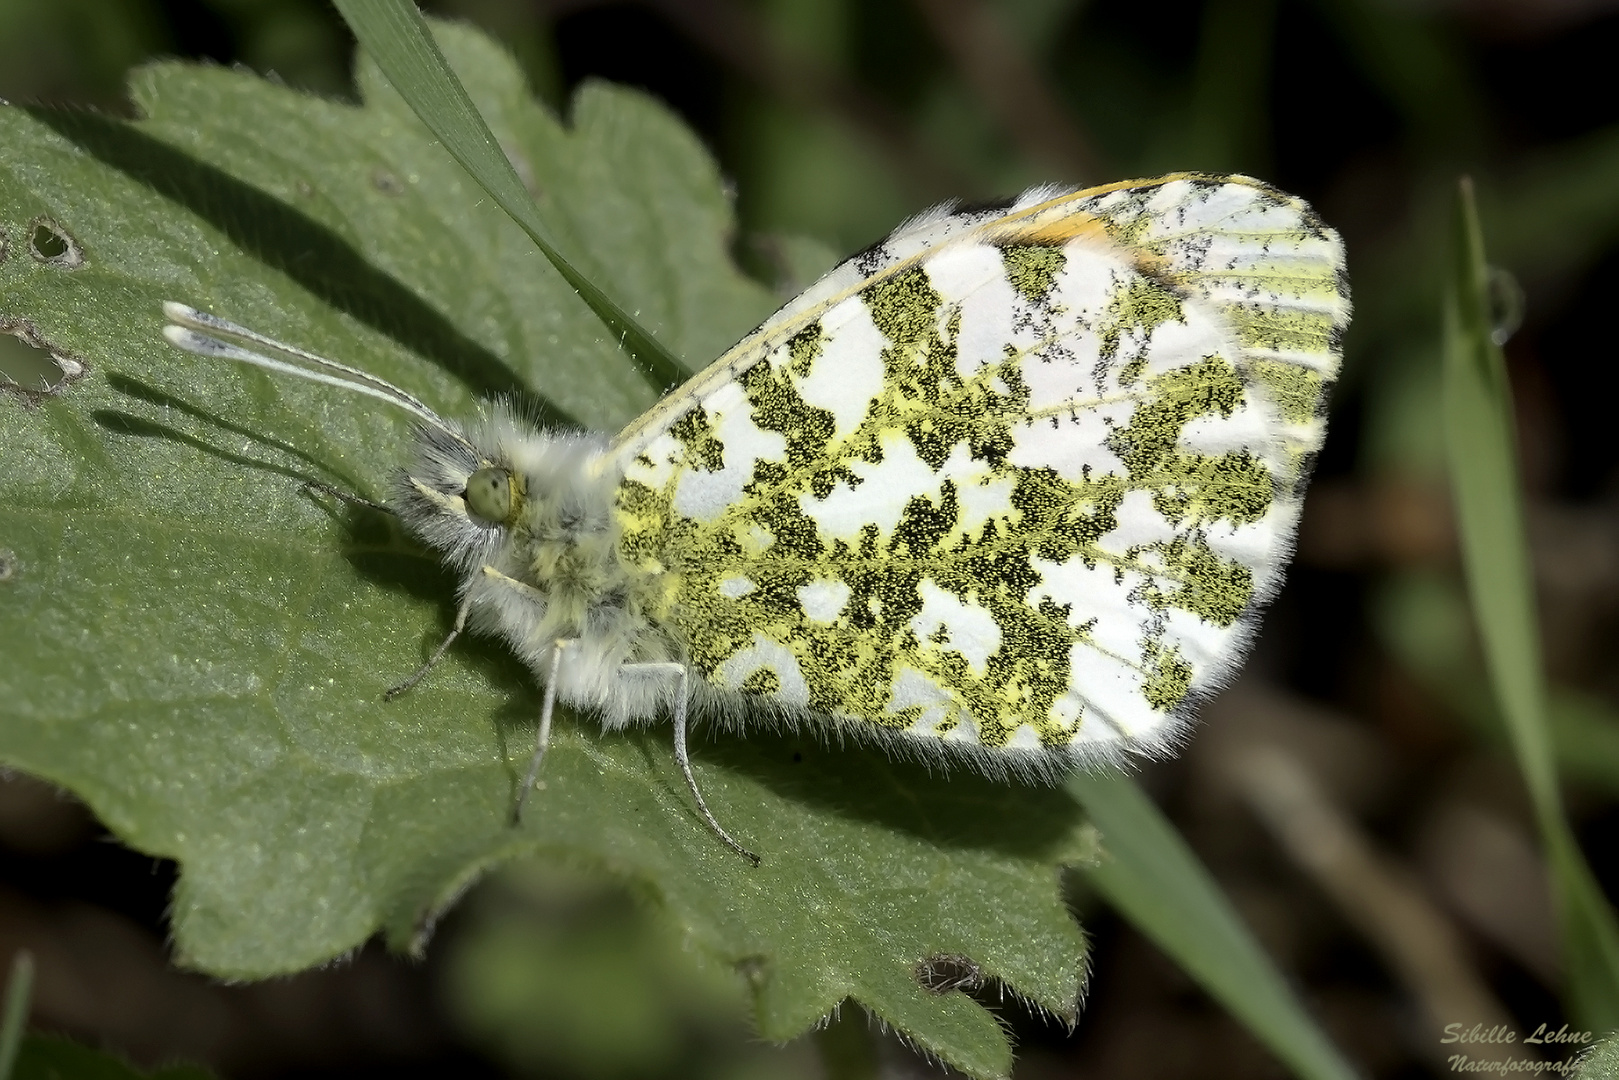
(736, 587)
(706, 495)
(1073, 444)
(980, 500)
(823, 599)
(1096, 596)
(772, 656)
(661, 451)
(972, 279)
(968, 628)
(887, 486)
(914, 690)
(849, 372)
(1139, 522)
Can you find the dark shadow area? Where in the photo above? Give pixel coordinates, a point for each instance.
(947, 804)
(310, 254)
(637, 45)
(122, 423)
(418, 574)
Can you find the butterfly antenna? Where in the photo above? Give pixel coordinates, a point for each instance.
(193, 331)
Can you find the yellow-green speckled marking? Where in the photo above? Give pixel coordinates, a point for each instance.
(1014, 481)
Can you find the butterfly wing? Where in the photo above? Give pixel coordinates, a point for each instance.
(1016, 481)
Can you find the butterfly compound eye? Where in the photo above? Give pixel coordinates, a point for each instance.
(489, 495)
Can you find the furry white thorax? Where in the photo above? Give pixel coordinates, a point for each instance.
(558, 574)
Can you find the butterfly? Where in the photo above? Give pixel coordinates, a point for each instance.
(1009, 488)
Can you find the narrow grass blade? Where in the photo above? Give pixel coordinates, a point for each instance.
(14, 1017)
(1481, 445)
(1154, 880)
(396, 37)
(1600, 1062)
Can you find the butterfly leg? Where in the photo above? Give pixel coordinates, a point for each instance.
(438, 654)
(691, 781)
(684, 761)
(542, 741)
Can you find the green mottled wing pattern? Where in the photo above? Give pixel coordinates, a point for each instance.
(1014, 482)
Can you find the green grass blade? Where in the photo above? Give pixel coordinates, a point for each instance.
(1600, 1062)
(1495, 552)
(396, 37)
(14, 1017)
(1155, 881)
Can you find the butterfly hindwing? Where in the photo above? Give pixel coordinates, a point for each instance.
(1015, 481)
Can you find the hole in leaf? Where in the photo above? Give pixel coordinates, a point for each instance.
(53, 245)
(48, 244)
(30, 366)
(8, 565)
(944, 973)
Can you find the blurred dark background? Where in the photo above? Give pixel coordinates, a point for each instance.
(1351, 791)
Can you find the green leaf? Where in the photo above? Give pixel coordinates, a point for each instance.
(52, 1058)
(198, 649)
(397, 39)
(552, 973)
(1155, 881)
(1495, 552)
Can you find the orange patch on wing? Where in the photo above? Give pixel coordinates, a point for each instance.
(1053, 230)
(1057, 231)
